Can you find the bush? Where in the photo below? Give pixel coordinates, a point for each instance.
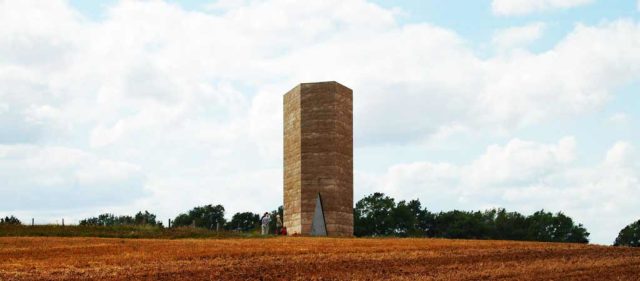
(246, 221)
(207, 216)
(629, 236)
(11, 220)
(107, 219)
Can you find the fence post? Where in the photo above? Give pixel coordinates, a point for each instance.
(32, 221)
(62, 221)
(217, 226)
(169, 223)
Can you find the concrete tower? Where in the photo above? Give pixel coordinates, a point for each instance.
(318, 159)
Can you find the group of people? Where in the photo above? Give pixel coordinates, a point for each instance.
(266, 219)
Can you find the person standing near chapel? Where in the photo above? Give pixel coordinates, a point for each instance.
(266, 219)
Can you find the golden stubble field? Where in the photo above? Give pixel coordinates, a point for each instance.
(310, 259)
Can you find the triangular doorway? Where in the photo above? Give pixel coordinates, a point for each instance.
(318, 226)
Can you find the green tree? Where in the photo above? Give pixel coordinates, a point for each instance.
(10, 220)
(424, 219)
(547, 227)
(373, 215)
(629, 236)
(510, 225)
(404, 219)
(107, 219)
(146, 218)
(246, 221)
(411, 219)
(182, 220)
(207, 216)
(462, 225)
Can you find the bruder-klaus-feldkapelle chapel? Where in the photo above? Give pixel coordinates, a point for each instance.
(318, 159)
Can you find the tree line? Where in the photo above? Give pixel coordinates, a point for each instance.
(140, 218)
(10, 220)
(378, 215)
(212, 217)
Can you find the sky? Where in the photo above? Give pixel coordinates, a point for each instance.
(121, 106)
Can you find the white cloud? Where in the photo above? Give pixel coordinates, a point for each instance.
(577, 74)
(526, 177)
(57, 178)
(520, 159)
(520, 36)
(620, 119)
(522, 7)
(154, 73)
(622, 154)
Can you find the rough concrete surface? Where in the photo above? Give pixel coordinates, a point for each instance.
(318, 157)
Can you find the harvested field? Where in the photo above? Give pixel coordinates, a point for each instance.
(309, 259)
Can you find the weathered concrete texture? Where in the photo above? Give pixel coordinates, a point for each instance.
(318, 157)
